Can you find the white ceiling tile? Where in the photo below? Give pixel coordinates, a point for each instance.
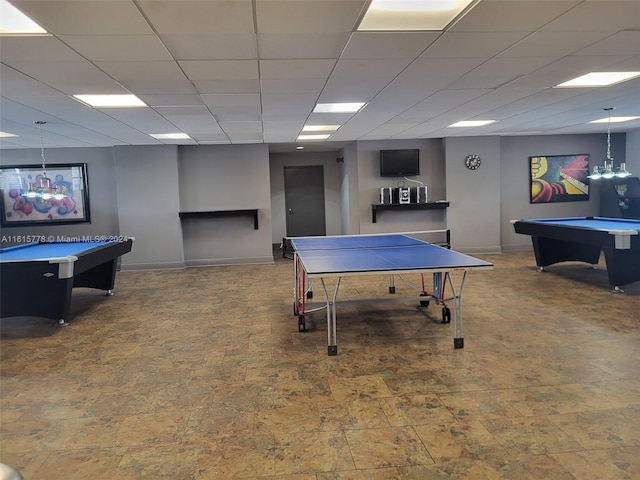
(512, 16)
(220, 69)
(232, 100)
(228, 86)
(453, 44)
(298, 16)
(43, 48)
(15, 83)
(211, 46)
(80, 17)
(109, 48)
(293, 85)
(198, 17)
(620, 43)
(284, 99)
(552, 44)
(159, 87)
(598, 15)
(499, 71)
(70, 77)
(301, 45)
(142, 70)
(388, 44)
(296, 69)
(171, 100)
(236, 114)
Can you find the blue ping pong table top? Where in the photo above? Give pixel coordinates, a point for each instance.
(377, 253)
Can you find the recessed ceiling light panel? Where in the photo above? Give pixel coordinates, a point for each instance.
(14, 22)
(614, 119)
(170, 136)
(411, 15)
(599, 79)
(338, 107)
(111, 101)
(320, 128)
(472, 123)
(313, 137)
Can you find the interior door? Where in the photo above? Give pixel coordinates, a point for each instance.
(304, 200)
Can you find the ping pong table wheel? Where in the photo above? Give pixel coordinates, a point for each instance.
(392, 289)
(301, 324)
(458, 343)
(424, 303)
(446, 315)
(332, 350)
(310, 294)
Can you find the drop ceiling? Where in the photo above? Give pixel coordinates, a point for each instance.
(251, 71)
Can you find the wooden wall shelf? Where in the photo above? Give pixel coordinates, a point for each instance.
(406, 206)
(223, 213)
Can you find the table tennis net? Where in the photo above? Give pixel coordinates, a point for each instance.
(370, 241)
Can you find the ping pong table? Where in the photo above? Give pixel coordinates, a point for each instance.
(379, 254)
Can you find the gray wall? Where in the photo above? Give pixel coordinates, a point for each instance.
(148, 204)
(225, 177)
(139, 191)
(349, 189)
(473, 215)
(633, 152)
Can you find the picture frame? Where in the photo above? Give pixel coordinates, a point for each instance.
(32, 195)
(559, 178)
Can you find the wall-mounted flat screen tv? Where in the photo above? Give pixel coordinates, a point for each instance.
(399, 163)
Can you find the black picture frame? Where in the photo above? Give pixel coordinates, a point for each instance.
(56, 195)
(559, 178)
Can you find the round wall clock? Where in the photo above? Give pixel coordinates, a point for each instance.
(472, 162)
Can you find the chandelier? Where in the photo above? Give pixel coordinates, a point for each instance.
(606, 170)
(42, 188)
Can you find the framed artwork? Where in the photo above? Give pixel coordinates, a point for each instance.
(31, 195)
(559, 178)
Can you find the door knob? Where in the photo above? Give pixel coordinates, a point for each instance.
(290, 212)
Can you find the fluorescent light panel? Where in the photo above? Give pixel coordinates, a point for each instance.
(614, 119)
(313, 137)
(170, 136)
(7, 135)
(338, 107)
(401, 15)
(320, 128)
(472, 123)
(14, 22)
(111, 101)
(599, 79)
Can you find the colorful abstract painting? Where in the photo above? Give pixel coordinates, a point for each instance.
(559, 178)
(31, 195)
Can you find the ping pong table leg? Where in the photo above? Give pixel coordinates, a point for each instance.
(332, 334)
(458, 333)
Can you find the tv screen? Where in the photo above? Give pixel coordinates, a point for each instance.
(399, 163)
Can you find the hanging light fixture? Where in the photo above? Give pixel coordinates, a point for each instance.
(43, 188)
(606, 170)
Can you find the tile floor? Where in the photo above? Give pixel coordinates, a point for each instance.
(202, 374)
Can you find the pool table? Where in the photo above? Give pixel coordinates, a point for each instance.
(582, 239)
(37, 278)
